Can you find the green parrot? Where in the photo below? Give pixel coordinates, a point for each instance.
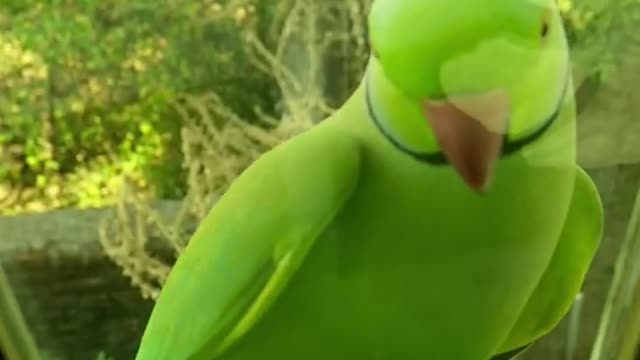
(438, 214)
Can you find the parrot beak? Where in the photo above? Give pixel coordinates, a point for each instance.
(470, 132)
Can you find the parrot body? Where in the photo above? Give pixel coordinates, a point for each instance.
(350, 241)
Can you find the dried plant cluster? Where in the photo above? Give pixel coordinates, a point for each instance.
(218, 144)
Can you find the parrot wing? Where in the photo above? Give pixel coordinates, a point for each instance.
(565, 274)
(253, 240)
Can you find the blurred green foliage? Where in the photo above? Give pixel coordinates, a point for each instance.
(86, 92)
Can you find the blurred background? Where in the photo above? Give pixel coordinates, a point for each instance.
(122, 121)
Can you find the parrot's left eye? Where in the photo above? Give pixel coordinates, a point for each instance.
(544, 30)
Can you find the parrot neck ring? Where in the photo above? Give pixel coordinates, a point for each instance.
(437, 157)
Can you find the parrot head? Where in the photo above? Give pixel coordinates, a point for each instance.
(465, 82)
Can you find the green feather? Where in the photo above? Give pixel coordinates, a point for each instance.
(563, 278)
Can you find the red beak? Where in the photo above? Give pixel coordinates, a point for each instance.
(470, 132)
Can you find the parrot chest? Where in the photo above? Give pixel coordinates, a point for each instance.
(415, 263)
(420, 264)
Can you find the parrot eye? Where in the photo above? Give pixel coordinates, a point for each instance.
(545, 29)
(375, 53)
